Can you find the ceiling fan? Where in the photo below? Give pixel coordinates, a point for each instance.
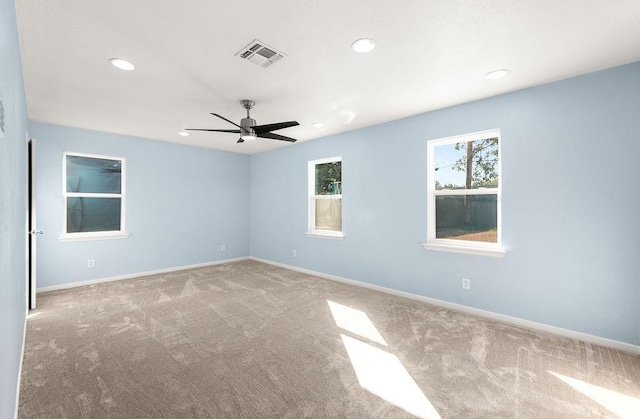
(248, 129)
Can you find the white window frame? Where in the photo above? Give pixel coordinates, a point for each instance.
(313, 231)
(93, 235)
(462, 246)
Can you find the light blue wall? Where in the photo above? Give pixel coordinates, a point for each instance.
(12, 210)
(571, 206)
(182, 204)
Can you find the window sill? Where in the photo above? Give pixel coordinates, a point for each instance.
(333, 235)
(470, 250)
(89, 236)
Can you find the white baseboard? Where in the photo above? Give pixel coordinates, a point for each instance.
(24, 341)
(596, 340)
(135, 275)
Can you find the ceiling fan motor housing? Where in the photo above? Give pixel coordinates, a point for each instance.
(247, 130)
(247, 123)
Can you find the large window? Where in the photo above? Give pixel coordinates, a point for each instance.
(464, 212)
(325, 198)
(94, 196)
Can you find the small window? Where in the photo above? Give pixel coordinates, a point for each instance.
(464, 213)
(94, 196)
(325, 198)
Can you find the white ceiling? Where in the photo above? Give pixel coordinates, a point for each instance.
(430, 54)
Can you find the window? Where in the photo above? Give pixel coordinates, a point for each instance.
(94, 197)
(464, 213)
(325, 198)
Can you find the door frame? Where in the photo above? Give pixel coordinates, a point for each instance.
(31, 223)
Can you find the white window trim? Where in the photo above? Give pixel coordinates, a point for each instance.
(461, 246)
(93, 235)
(311, 177)
(326, 234)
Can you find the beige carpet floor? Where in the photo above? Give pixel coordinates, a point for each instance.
(251, 340)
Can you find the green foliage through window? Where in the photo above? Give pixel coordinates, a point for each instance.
(482, 157)
(329, 178)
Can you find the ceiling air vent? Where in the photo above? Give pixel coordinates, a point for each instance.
(260, 53)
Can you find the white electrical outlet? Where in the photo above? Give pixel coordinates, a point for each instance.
(295, 254)
(91, 263)
(223, 248)
(466, 284)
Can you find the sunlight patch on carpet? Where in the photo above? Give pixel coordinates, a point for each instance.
(382, 374)
(379, 371)
(620, 404)
(356, 322)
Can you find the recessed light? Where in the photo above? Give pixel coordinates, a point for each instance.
(363, 45)
(497, 74)
(183, 134)
(317, 125)
(122, 64)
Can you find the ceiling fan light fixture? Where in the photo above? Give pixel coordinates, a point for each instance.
(497, 74)
(363, 45)
(317, 125)
(183, 134)
(122, 64)
(248, 135)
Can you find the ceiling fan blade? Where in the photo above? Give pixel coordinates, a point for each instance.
(259, 129)
(222, 117)
(236, 131)
(273, 136)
